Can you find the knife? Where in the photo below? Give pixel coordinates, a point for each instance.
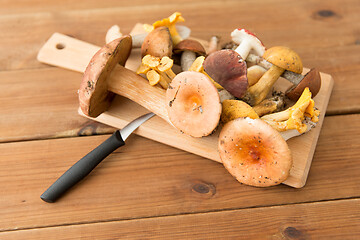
(86, 164)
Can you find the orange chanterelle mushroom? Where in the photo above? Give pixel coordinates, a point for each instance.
(254, 153)
(193, 104)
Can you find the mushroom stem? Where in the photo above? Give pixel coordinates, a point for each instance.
(213, 44)
(187, 59)
(294, 78)
(244, 48)
(269, 106)
(294, 133)
(258, 92)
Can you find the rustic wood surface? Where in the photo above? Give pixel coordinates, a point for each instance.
(148, 190)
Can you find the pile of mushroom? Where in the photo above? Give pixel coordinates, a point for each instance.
(231, 89)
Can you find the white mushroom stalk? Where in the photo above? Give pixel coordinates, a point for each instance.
(213, 44)
(248, 42)
(294, 133)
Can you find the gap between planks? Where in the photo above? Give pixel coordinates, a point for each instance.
(260, 207)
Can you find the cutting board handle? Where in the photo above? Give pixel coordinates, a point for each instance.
(67, 52)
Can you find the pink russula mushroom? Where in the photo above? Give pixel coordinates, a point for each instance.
(193, 104)
(254, 153)
(248, 43)
(228, 69)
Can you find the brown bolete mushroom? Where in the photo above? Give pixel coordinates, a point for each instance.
(312, 80)
(282, 58)
(228, 69)
(189, 49)
(254, 153)
(157, 43)
(193, 104)
(98, 86)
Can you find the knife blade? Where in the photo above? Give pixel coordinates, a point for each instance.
(86, 164)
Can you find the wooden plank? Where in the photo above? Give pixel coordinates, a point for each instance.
(31, 98)
(147, 179)
(321, 220)
(123, 111)
(336, 54)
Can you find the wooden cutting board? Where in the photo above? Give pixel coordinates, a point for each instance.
(73, 54)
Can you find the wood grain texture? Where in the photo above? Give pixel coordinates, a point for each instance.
(39, 104)
(148, 179)
(313, 37)
(322, 220)
(135, 88)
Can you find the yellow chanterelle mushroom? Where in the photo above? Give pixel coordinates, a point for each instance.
(170, 23)
(293, 117)
(157, 70)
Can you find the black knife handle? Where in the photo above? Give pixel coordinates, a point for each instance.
(82, 168)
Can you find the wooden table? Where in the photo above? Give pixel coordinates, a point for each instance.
(148, 190)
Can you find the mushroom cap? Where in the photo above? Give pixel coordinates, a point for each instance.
(240, 34)
(254, 153)
(285, 58)
(94, 97)
(193, 104)
(190, 45)
(312, 80)
(157, 43)
(228, 69)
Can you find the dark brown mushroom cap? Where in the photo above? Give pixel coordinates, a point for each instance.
(158, 43)
(94, 97)
(190, 45)
(312, 80)
(254, 153)
(228, 69)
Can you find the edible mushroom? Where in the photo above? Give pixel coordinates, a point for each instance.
(157, 70)
(312, 79)
(197, 66)
(189, 50)
(157, 43)
(105, 76)
(193, 104)
(169, 22)
(138, 39)
(228, 69)
(248, 43)
(254, 153)
(294, 116)
(282, 58)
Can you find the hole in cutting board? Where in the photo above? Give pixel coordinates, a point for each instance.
(60, 46)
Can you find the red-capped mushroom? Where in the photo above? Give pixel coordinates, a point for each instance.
(228, 69)
(254, 153)
(193, 104)
(248, 43)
